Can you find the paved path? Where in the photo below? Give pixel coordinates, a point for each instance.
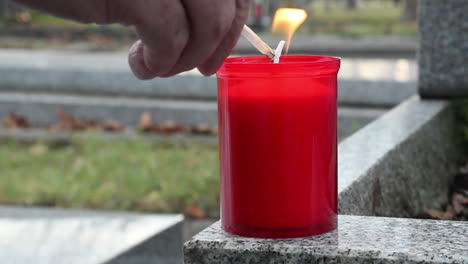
(387, 69)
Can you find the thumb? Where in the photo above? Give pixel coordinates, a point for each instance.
(136, 60)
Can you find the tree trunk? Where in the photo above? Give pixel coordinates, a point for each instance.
(326, 5)
(3, 6)
(304, 4)
(351, 4)
(410, 11)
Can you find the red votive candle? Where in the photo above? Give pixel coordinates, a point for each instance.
(278, 149)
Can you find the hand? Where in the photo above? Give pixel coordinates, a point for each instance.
(176, 35)
(179, 35)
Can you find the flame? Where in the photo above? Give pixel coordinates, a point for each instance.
(287, 21)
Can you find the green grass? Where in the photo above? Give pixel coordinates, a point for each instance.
(37, 18)
(43, 19)
(109, 174)
(372, 19)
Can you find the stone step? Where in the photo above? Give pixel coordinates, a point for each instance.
(50, 236)
(358, 239)
(41, 110)
(361, 81)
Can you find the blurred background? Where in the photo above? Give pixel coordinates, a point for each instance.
(77, 130)
(31, 29)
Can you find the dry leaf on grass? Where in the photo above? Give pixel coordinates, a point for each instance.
(38, 149)
(146, 123)
(457, 209)
(172, 127)
(204, 128)
(460, 204)
(68, 122)
(459, 196)
(65, 118)
(195, 212)
(23, 17)
(447, 215)
(16, 121)
(99, 39)
(112, 126)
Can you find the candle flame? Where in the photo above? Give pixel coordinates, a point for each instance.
(287, 21)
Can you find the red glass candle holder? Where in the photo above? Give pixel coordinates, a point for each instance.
(278, 145)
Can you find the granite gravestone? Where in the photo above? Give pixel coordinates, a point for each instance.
(443, 48)
(49, 236)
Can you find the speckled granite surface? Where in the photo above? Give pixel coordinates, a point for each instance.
(359, 239)
(443, 48)
(393, 166)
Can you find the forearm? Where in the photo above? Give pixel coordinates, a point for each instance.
(84, 11)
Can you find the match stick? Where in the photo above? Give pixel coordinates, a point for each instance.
(258, 43)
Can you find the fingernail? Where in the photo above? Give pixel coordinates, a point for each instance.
(135, 59)
(135, 47)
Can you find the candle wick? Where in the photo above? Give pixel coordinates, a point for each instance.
(278, 51)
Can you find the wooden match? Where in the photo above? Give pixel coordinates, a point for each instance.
(257, 42)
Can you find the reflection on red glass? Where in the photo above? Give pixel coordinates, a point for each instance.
(278, 146)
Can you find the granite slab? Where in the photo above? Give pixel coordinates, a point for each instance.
(443, 48)
(358, 239)
(51, 236)
(400, 164)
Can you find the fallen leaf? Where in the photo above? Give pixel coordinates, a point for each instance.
(203, 128)
(38, 149)
(460, 204)
(55, 127)
(112, 125)
(89, 124)
(459, 196)
(23, 17)
(16, 121)
(98, 39)
(66, 121)
(146, 122)
(170, 126)
(447, 215)
(195, 212)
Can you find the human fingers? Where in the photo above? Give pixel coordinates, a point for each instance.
(211, 65)
(209, 20)
(164, 31)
